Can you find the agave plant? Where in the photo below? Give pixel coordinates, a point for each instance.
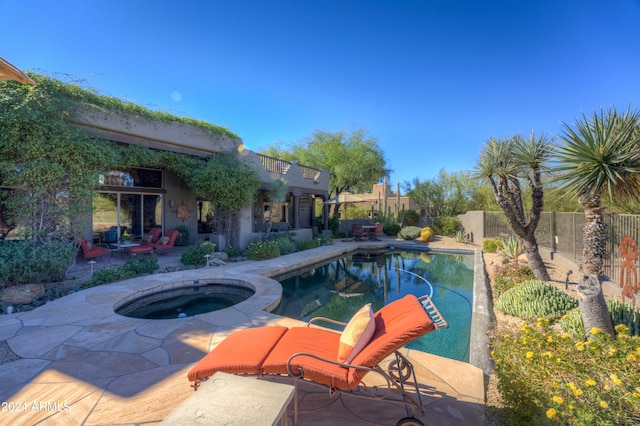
(510, 249)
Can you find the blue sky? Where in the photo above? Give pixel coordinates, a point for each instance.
(431, 80)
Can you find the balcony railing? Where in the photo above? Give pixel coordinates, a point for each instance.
(274, 165)
(277, 165)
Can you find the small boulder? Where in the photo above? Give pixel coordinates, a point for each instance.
(22, 294)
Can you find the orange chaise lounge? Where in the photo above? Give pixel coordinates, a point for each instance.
(321, 355)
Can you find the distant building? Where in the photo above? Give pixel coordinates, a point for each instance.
(381, 199)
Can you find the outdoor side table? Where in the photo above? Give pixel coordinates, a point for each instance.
(227, 399)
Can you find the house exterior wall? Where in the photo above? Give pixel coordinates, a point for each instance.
(187, 139)
(175, 196)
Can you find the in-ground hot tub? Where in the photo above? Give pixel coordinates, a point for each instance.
(183, 299)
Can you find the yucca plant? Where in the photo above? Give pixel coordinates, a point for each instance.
(599, 155)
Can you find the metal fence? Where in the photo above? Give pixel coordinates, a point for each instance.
(563, 233)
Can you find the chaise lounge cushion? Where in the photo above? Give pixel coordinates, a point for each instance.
(241, 352)
(356, 334)
(321, 342)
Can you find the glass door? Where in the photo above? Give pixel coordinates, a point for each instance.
(134, 213)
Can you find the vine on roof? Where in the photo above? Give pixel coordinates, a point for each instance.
(49, 167)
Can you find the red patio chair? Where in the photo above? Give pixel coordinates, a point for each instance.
(151, 237)
(166, 242)
(89, 251)
(357, 231)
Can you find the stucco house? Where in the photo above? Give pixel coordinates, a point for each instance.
(140, 198)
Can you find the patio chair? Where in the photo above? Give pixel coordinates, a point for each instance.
(357, 231)
(112, 234)
(89, 251)
(151, 237)
(337, 360)
(379, 229)
(167, 242)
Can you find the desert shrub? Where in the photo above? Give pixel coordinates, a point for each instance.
(309, 244)
(262, 250)
(446, 225)
(535, 299)
(510, 275)
(491, 245)
(233, 251)
(391, 229)
(34, 262)
(409, 232)
(621, 313)
(460, 237)
(411, 218)
(195, 255)
(286, 243)
(549, 378)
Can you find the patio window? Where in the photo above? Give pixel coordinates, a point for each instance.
(134, 177)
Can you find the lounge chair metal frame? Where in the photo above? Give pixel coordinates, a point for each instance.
(398, 376)
(398, 372)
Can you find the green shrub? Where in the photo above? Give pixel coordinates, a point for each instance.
(262, 250)
(621, 313)
(446, 225)
(549, 378)
(510, 275)
(233, 251)
(309, 244)
(105, 276)
(535, 299)
(334, 223)
(34, 262)
(411, 218)
(410, 232)
(323, 239)
(137, 265)
(196, 255)
(491, 245)
(460, 237)
(391, 229)
(286, 243)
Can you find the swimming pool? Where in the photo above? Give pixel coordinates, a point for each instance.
(338, 288)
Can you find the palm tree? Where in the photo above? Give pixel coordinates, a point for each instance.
(507, 164)
(599, 155)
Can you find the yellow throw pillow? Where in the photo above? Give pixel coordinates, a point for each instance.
(356, 334)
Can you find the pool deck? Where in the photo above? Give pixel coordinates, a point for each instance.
(82, 364)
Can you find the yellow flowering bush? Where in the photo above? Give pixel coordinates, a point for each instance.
(548, 377)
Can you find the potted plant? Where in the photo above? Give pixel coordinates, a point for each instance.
(183, 235)
(126, 237)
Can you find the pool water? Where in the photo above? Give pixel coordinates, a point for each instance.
(340, 287)
(185, 301)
